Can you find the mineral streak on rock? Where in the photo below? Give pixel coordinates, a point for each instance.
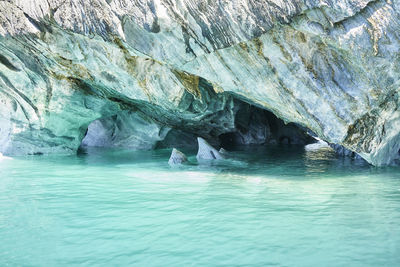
(206, 151)
(329, 66)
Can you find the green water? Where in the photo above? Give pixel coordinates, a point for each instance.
(275, 206)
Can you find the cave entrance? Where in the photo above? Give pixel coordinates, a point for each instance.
(257, 126)
(126, 129)
(237, 124)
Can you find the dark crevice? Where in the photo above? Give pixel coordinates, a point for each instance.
(256, 126)
(41, 26)
(7, 63)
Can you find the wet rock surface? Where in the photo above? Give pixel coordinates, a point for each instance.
(206, 151)
(330, 67)
(177, 158)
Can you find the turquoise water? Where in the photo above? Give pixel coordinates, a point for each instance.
(276, 206)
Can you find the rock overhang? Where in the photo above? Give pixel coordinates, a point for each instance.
(328, 67)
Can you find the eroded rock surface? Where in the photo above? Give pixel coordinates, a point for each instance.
(126, 129)
(206, 151)
(177, 158)
(329, 66)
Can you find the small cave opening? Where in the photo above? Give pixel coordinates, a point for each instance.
(126, 129)
(90, 137)
(257, 126)
(99, 133)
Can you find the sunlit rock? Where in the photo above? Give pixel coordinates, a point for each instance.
(206, 151)
(177, 158)
(317, 146)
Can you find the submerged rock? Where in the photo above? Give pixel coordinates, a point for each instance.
(206, 151)
(177, 158)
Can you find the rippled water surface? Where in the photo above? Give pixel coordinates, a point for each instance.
(268, 206)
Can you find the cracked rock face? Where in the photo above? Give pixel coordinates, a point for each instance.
(329, 66)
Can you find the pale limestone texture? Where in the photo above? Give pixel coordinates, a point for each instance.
(177, 158)
(206, 151)
(329, 66)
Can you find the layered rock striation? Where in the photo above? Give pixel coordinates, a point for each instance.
(331, 67)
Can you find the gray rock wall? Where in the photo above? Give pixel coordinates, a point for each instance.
(330, 66)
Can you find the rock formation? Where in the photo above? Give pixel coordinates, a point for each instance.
(255, 126)
(177, 158)
(329, 66)
(317, 146)
(206, 151)
(125, 129)
(342, 151)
